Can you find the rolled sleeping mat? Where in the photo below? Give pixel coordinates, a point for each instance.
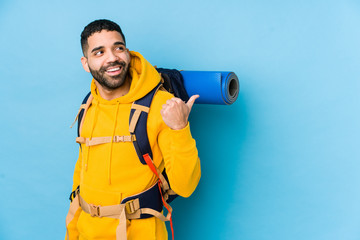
(213, 87)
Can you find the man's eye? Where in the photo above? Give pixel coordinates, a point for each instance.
(121, 48)
(98, 53)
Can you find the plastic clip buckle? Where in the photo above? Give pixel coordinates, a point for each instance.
(94, 210)
(129, 206)
(118, 138)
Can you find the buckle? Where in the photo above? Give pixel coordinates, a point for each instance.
(74, 193)
(94, 210)
(129, 206)
(118, 138)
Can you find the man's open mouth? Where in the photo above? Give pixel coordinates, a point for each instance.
(114, 70)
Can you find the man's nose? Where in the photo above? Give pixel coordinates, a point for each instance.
(112, 57)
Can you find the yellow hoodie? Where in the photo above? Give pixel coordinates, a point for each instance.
(110, 172)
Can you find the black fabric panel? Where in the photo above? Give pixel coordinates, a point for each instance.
(81, 114)
(171, 197)
(148, 199)
(174, 83)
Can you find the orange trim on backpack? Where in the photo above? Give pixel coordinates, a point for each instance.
(152, 167)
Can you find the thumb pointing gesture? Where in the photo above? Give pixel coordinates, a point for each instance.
(191, 101)
(175, 112)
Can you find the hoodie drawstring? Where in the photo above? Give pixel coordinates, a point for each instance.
(112, 141)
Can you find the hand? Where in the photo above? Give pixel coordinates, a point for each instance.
(175, 112)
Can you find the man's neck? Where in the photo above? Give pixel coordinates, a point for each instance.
(115, 93)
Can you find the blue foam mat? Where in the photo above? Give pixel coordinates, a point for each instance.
(213, 87)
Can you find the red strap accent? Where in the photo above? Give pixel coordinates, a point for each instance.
(151, 165)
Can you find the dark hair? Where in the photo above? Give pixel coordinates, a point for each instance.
(98, 26)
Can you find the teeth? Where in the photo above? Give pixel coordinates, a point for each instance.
(113, 69)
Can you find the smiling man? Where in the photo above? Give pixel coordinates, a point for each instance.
(116, 187)
(108, 61)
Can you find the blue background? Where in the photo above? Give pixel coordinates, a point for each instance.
(281, 163)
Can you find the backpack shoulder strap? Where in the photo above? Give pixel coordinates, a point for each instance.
(138, 124)
(81, 114)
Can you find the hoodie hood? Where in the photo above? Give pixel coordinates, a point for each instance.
(144, 78)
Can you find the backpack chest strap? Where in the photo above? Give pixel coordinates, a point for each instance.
(101, 140)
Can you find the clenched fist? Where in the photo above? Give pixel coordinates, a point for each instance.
(175, 112)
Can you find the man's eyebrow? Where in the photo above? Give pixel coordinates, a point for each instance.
(97, 48)
(100, 47)
(119, 43)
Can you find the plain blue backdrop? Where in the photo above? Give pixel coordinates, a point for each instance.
(281, 163)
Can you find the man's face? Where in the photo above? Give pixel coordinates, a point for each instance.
(107, 59)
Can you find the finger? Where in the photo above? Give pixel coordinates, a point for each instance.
(170, 103)
(165, 107)
(191, 101)
(178, 100)
(174, 100)
(163, 111)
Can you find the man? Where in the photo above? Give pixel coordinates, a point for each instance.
(110, 171)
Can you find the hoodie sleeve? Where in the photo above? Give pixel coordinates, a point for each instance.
(181, 159)
(71, 228)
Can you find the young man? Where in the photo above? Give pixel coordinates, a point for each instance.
(109, 171)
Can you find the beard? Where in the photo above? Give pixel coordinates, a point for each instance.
(110, 82)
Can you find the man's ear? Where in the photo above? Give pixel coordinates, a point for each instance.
(84, 63)
(128, 52)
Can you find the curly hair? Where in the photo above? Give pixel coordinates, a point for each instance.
(98, 26)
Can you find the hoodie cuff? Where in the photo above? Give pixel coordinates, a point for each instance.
(181, 136)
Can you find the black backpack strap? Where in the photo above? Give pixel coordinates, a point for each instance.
(81, 112)
(138, 127)
(138, 124)
(81, 115)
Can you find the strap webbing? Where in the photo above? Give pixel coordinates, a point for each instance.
(101, 140)
(77, 115)
(134, 120)
(74, 206)
(157, 214)
(151, 165)
(83, 113)
(140, 107)
(113, 211)
(123, 211)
